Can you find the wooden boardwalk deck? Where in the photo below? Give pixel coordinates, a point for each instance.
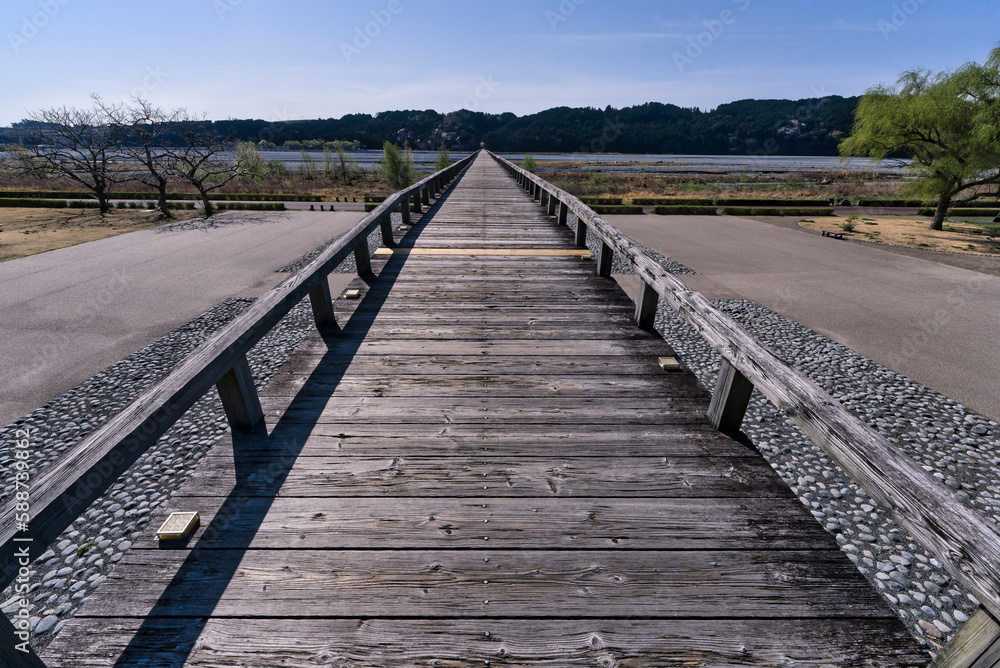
(486, 466)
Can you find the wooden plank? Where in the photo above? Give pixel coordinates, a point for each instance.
(965, 542)
(521, 584)
(439, 523)
(409, 475)
(306, 643)
(976, 645)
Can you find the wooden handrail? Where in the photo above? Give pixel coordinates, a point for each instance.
(964, 541)
(68, 487)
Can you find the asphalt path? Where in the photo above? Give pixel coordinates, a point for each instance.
(70, 313)
(918, 315)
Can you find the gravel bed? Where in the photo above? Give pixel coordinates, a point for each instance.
(957, 446)
(79, 560)
(348, 266)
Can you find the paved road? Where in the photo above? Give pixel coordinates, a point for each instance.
(68, 314)
(935, 323)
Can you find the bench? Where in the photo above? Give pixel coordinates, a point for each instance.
(834, 234)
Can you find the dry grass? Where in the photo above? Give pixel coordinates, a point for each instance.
(956, 237)
(30, 231)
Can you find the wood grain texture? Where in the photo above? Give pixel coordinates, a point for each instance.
(616, 526)
(962, 539)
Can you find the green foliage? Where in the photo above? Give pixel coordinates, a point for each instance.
(609, 209)
(948, 123)
(891, 203)
(307, 165)
(686, 210)
(590, 201)
(769, 202)
(397, 166)
(776, 211)
(83, 204)
(443, 159)
(33, 203)
(674, 201)
(276, 170)
(529, 164)
(250, 206)
(250, 163)
(851, 223)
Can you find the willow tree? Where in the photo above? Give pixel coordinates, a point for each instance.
(945, 123)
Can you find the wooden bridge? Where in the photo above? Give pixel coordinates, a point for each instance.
(484, 464)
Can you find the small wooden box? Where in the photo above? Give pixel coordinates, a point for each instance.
(178, 526)
(352, 294)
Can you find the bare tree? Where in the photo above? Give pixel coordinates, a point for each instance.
(79, 144)
(200, 157)
(148, 129)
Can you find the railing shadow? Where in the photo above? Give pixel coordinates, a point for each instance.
(171, 629)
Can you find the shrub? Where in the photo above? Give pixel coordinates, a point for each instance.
(888, 203)
(686, 210)
(974, 213)
(609, 209)
(33, 203)
(614, 201)
(850, 224)
(83, 204)
(371, 206)
(674, 201)
(250, 206)
(529, 164)
(777, 211)
(772, 202)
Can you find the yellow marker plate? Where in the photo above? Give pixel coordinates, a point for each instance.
(352, 294)
(178, 526)
(669, 363)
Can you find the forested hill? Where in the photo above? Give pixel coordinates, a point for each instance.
(756, 127)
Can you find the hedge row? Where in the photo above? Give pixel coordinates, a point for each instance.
(154, 205)
(602, 201)
(621, 210)
(375, 198)
(234, 197)
(963, 212)
(891, 202)
(250, 206)
(674, 201)
(686, 210)
(731, 201)
(776, 211)
(33, 203)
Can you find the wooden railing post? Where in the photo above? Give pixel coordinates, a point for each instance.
(322, 305)
(563, 213)
(386, 226)
(605, 256)
(645, 306)
(362, 259)
(416, 203)
(976, 645)
(581, 233)
(239, 397)
(404, 209)
(552, 205)
(543, 198)
(425, 196)
(730, 399)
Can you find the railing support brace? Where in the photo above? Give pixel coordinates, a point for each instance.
(552, 205)
(239, 397)
(425, 196)
(581, 233)
(563, 213)
(362, 259)
(404, 208)
(730, 400)
(386, 226)
(322, 306)
(645, 307)
(605, 256)
(416, 203)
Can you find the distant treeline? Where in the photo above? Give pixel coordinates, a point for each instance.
(748, 127)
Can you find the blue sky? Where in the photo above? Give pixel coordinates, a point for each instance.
(310, 59)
